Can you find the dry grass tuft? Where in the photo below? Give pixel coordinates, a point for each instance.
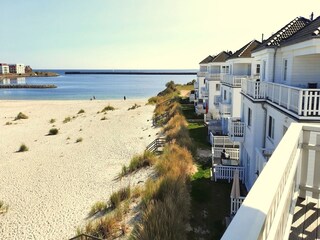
(108, 108)
(23, 148)
(21, 116)
(139, 161)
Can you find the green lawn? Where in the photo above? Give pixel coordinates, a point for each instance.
(198, 132)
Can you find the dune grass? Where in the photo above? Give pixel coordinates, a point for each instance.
(21, 116)
(52, 120)
(23, 148)
(108, 108)
(67, 119)
(117, 197)
(98, 207)
(139, 161)
(81, 111)
(80, 139)
(134, 107)
(3, 207)
(53, 131)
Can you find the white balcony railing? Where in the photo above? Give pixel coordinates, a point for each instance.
(227, 172)
(233, 80)
(292, 171)
(232, 152)
(214, 76)
(236, 204)
(217, 99)
(299, 101)
(201, 74)
(222, 142)
(254, 89)
(225, 109)
(236, 129)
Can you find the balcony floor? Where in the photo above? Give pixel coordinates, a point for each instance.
(306, 219)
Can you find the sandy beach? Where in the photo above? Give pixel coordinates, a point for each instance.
(51, 187)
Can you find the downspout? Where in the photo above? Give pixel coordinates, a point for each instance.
(274, 63)
(264, 124)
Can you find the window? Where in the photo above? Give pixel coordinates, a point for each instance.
(271, 128)
(249, 116)
(258, 69)
(217, 87)
(285, 69)
(204, 81)
(264, 66)
(224, 95)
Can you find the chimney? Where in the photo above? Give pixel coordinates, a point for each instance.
(311, 16)
(262, 37)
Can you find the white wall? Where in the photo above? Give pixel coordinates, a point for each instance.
(254, 137)
(212, 86)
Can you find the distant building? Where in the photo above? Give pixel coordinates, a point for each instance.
(17, 68)
(4, 68)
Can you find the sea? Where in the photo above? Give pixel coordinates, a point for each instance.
(98, 86)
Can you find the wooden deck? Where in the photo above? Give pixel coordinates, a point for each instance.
(306, 220)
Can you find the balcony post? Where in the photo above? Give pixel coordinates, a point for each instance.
(300, 103)
(280, 90)
(304, 163)
(316, 177)
(289, 98)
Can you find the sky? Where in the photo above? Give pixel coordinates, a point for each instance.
(136, 34)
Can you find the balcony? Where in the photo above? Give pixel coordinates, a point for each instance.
(254, 89)
(233, 80)
(225, 109)
(236, 129)
(214, 76)
(204, 92)
(299, 102)
(277, 204)
(201, 74)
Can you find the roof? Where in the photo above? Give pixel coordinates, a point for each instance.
(206, 60)
(312, 30)
(245, 51)
(221, 57)
(284, 33)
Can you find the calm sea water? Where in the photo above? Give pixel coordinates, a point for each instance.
(77, 87)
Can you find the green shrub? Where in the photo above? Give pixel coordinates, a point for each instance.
(21, 116)
(108, 108)
(53, 131)
(152, 100)
(81, 111)
(67, 119)
(23, 148)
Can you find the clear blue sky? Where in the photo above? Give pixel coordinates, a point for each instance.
(129, 34)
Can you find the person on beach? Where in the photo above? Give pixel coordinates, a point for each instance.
(124, 98)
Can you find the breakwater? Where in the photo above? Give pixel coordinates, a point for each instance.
(132, 73)
(28, 86)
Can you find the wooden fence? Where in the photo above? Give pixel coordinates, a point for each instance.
(157, 145)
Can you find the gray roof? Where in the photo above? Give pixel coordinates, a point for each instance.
(284, 33)
(245, 51)
(207, 60)
(221, 57)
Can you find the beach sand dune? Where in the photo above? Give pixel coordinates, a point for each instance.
(51, 187)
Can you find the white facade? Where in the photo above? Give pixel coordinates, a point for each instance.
(4, 68)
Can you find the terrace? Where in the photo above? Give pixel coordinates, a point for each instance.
(302, 103)
(284, 201)
(233, 80)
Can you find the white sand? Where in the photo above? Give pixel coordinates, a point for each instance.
(50, 188)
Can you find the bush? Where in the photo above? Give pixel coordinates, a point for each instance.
(103, 118)
(52, 120)
(8, 123)
(152, 100)
(67, 119)
(81, 111)
(80, 139)
(53, 131)
(21, 116)
(23, 148)
(108, 108)
(102, 228)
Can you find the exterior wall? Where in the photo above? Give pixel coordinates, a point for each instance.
(213, 94)
(242, 69)
(4, 69)
(201, 82)
(266, 55)
(20, 68)
(214, 68)
(254, 138)
(236, 102)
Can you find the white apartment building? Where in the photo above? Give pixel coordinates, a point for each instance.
(279, 150)
(17, 68)
(4, 68)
